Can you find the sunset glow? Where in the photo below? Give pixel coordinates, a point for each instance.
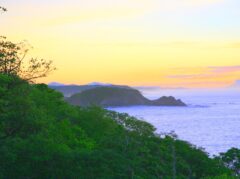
(174, 43)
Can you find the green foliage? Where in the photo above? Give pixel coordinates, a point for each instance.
(231, 159)
(41, 136)
(107, 96)
(224, 176)
(37, 137)
(12, 61)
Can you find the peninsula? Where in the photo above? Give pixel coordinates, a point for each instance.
(115, 96)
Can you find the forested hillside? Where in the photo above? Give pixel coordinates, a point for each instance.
(41, 136)
(118, 96)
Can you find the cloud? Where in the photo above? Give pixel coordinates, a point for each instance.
(234, 45)
(202, 2)
(224, 69)
(58, 12)
(191, 76)
(209, 72)
(201, 83)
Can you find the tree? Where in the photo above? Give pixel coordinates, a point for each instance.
(41, 136)
(3, 9)
(13, 63)
(37, 137)
(231, 159)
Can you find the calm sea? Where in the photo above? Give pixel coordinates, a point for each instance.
(211, 120)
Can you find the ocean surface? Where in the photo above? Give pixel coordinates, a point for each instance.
(211, 120)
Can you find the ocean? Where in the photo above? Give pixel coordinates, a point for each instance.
(210, 121)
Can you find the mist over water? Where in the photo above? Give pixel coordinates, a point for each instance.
(211, 120)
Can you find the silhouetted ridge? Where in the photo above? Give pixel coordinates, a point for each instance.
(115, 96)
(69, 90)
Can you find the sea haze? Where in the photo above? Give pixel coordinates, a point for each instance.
(211, 120)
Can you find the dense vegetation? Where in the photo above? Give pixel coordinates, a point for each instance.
(41, 136)
(108, 96)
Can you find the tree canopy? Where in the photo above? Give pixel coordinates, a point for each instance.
(13, 61)
(231, 159)
(41, 136)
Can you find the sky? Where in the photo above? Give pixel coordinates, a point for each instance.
(167, 43)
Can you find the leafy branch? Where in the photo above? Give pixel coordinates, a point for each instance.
(3, 9)
(13, 61)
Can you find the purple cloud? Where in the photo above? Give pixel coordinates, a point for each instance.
(224, 69)
(211, 71)
(189, 76)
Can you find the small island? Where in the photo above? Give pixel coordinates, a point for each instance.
(116, 96)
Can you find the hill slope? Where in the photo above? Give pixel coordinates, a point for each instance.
(69, 90)
(42, 136)
(114, 96)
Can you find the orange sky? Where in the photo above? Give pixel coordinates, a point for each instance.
(174, 43)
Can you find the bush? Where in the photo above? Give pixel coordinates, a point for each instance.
(41, 136)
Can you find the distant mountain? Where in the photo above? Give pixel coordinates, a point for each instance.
(56, 84)
(147, 88)
(157, 88)
(236, 84)
(98, 84)
(115, 96)
(69, 90)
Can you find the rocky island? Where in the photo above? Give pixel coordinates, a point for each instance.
(114, 96)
